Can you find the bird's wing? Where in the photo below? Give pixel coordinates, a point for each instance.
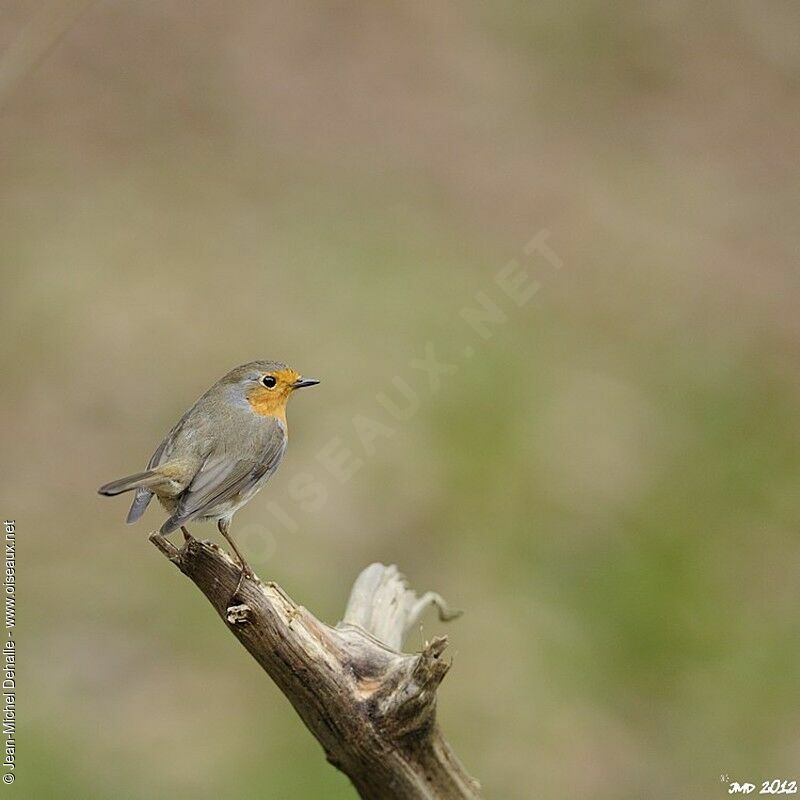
(164, 450)
(220, 479)
(161, 454)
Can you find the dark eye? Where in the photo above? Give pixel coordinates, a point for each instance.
(269, 381)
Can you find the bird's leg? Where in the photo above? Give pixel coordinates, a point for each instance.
(245, 567)
(187, 537)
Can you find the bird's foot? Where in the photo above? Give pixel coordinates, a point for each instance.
(245, 574)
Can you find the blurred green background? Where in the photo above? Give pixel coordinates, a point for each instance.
(608, 487)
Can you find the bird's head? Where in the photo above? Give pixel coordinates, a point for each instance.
(267, 385)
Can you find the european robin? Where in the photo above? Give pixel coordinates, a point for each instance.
(221, 451)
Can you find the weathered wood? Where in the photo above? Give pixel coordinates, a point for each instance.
(370, 706)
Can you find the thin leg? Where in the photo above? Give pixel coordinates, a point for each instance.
(223, 529)
(186, 535)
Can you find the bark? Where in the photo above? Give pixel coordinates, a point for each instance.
(370, 706)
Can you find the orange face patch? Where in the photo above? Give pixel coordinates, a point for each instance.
(272, 402)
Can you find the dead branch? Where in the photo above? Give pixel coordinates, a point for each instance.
(370, 706)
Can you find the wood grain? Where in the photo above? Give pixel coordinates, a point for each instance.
(370, 706)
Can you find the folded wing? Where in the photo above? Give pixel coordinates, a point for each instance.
(221, 480)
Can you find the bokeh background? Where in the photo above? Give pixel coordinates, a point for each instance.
(608, 487)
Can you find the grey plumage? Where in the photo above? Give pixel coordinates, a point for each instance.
(216, 457)
(135, 481)
(220, 452)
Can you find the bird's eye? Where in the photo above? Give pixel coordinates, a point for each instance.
(269, 381)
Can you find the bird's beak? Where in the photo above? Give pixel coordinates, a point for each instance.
(302, 382)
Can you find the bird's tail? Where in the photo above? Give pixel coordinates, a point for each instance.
(139, 504)
(141, 480)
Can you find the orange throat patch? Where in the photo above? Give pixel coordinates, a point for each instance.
(272, 402)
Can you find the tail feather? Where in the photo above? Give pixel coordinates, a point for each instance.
(139, 504)
(141, 480)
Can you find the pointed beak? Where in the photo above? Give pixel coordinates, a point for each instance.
(300, 383)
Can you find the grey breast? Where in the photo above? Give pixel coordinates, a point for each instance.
(232, 458)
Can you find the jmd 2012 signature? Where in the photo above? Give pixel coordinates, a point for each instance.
(775, 786)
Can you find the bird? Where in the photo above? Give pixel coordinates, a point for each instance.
(220, 453)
